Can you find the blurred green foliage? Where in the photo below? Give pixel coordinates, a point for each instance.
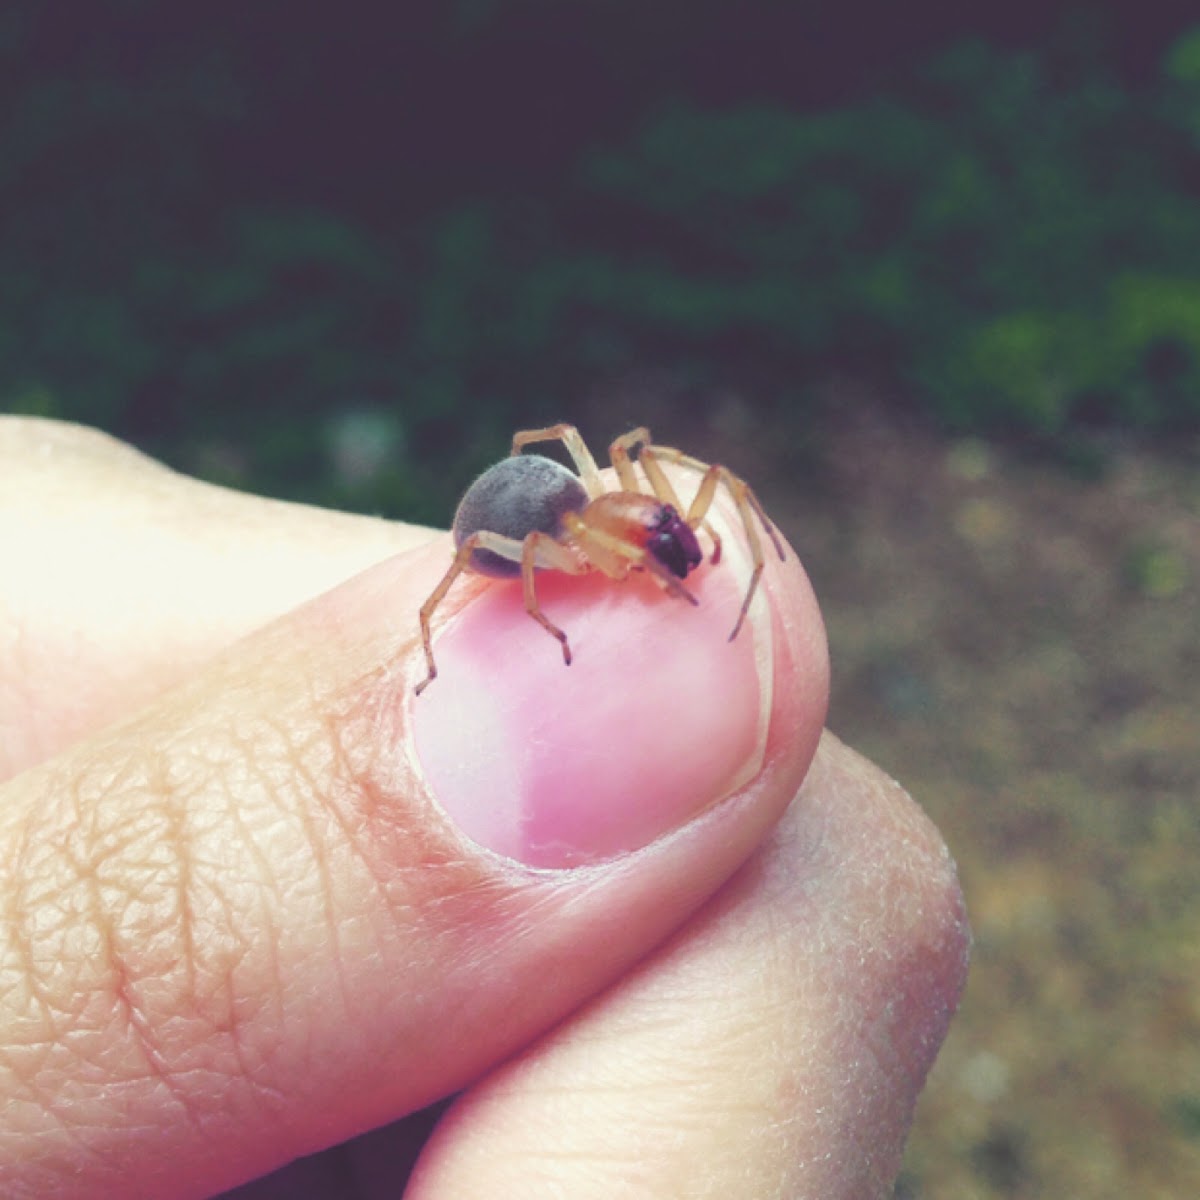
(1009, 243)
(1024, 255)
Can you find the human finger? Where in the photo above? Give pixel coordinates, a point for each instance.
(122, 576)
(775, 1047)
(247, 923)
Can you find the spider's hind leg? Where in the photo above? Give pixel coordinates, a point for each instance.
(536, 550)
(462, 559)
(576, 447)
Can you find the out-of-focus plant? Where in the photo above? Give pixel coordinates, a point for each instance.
(1009, 246)
(1022, 254)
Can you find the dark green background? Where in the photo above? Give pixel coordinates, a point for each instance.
(341, 253)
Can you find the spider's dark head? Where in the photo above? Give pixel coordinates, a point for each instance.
(673, 542)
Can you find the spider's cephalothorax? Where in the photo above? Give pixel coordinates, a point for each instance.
(529, 513)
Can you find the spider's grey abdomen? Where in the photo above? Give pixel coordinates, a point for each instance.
(515, 497)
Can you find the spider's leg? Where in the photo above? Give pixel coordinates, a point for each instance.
(505, 547)
(536, 551)
(659, 483)
(700, 505)
(741, 491)
(716, 541)
(576, 447)
(541, 550)
(457, 567)
(705, 494)
(615, 556)
(666, 493)
(748, 508)
(618, 455)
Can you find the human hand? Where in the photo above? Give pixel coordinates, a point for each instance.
(239, 930)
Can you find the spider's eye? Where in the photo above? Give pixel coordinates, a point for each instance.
(673, 543)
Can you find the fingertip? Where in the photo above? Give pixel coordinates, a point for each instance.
(653, 721)
(661, 715)
(892, 914)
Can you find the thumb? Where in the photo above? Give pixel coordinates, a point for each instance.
(289, 903)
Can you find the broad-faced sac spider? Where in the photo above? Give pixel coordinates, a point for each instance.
(529, 513)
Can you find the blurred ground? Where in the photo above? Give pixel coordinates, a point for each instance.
(1018, 641)
(1021, 647)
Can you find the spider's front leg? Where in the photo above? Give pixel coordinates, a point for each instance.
(619, 455)
(748, 507)
(660, 484)
(616, 554)
(541, 550)
(711, 475)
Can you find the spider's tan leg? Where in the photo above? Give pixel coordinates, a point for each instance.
(748, 508)
(657, 477)
(541, 550)
(618, 452)
(596, 548)
(618, 455)
(701, 503)
(741, 491)
(576, 447)
(615, 556)
(457, 567)
(505, 547)
(716, 541)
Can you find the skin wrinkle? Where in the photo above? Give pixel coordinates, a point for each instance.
(359, 800)
(98, 854)
(23, 1067)
(307, 787)
(352, 797)
(179, 838)
(294, 804)
(82, 874)
(20, 935)
(221, 1002)
(88, 855)
(268, 904)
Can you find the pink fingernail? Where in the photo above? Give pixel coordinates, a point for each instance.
(656, 719)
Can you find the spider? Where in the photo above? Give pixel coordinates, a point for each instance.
(529, 513)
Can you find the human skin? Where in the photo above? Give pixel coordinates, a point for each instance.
(247, 918)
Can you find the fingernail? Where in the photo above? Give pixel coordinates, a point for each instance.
(657, 718)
